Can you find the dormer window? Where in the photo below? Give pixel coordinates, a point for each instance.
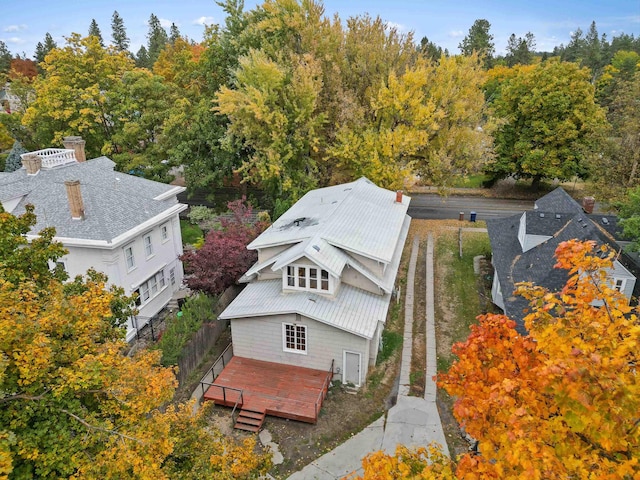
(305, 277)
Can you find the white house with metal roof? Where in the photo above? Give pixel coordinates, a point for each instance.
(321, 287)
(124, 226)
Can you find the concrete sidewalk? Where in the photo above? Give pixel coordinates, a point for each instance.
(412, 421)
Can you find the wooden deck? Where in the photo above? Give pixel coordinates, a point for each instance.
(280, 390)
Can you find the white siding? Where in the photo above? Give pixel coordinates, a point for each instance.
(374, 266)
(351, 276)
(531, 241)
(522, 230)
(260, 338)
(265, 254)
(496, 292)
(619, 271)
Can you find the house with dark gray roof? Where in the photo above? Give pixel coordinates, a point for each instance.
(523, 248)
(122, 225)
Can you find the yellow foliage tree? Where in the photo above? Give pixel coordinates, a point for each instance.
(73, 405)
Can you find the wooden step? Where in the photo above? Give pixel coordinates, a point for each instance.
(250, 420)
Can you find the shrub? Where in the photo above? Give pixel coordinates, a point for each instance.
(180, 328)
(200, 213)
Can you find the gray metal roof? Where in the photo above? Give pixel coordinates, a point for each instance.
(352, 310)
(358, 217)
(114, 202)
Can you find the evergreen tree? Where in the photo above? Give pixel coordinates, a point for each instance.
(94, 31)
(118, 33)
(157, 39)
(42, 49)
(174, 34)
(5, 58)
(429, 49)
(479, 40)
(575, 48)
(142, 58)
(14, 162)
(592, 56)
(520, 50)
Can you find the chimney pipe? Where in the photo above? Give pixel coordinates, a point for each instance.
(77, 144)
(75, 199)
(399, 196)
(31, 162)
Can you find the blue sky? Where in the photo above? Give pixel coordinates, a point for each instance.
(445, 22)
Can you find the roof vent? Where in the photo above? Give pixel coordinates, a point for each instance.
(298, 221)
(558, 216)
(541, 215)
(316, 248)
(605, 220)
(584, 225)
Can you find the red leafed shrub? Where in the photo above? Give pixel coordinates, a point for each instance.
(224, 257)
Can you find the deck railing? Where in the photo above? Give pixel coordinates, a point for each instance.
(216, 368)
(54, 157)
(325, 388)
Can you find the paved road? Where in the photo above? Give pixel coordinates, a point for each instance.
(432, 206)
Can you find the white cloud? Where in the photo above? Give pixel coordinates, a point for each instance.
(456, 33)
(15, 28)
(16, 40)
(398, 26)
(204, 21)
(165, 23)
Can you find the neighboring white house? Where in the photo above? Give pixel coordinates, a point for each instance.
(321, 287)
(523, 248)
(124, 226)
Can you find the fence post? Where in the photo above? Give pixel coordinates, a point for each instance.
(460, 241)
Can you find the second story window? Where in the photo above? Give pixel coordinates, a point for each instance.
(148, 245)
(619, 284)
(164, 233)
(128, 256)
(307, 278)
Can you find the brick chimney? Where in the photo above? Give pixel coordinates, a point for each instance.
(31, 162)
(399, 196)
(75, 199)
(77, 144)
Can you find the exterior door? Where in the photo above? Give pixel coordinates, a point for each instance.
(351, 372)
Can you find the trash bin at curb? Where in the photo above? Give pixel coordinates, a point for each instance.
(461, 216)
(472, 217)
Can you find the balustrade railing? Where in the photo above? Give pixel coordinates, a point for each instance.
(54, 157)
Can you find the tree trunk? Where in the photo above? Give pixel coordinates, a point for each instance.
(535, 182)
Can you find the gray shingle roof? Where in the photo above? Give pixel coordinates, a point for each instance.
(558, 201)
(537, 264)
(114, 202)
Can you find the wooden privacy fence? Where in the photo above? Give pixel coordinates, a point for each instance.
(206, 337)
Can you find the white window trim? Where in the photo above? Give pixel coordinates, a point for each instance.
(284, 339)
(126, 258)
(147, 286)
(150, 245)
(307, 287)
(164, 230)
(623, 284)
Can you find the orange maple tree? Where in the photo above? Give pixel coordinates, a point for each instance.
(562, 402)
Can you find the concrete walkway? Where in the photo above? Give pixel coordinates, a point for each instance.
(412, 421)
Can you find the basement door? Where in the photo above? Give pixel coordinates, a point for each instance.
(351, 362)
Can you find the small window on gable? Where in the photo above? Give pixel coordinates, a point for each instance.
(307, 278)
(618, 284)
(295, 338)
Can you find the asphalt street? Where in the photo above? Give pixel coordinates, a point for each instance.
(433, 206)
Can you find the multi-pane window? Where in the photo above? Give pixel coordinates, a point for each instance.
(164, 233)
(295, 338)
(128, 255)
(618, 284)
(150, 288)
(148, 246)
(172, 276)
(307, 278)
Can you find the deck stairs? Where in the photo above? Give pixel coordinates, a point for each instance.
(250, 419)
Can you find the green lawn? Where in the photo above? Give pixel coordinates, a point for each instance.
(462, 285)
(190, 233)
(470, 181)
